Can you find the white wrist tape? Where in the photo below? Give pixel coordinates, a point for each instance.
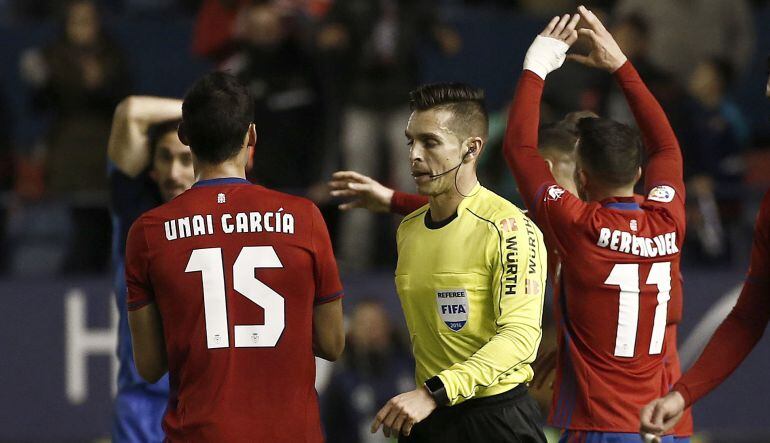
(545, 55)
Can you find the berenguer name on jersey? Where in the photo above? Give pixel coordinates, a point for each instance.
(241, 222)
(663, 244)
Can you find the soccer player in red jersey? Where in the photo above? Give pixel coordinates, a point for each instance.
(233, 288)
(620, 281)
(733, 340)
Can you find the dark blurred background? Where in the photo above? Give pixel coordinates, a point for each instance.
(331, 79)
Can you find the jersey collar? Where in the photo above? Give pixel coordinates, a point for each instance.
(222, 181)
(622, 203)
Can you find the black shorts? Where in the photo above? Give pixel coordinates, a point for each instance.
(512, 416)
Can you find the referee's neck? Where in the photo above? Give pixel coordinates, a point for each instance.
(443, 206)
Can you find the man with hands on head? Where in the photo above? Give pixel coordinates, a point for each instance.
(620, 287)
(148, 165)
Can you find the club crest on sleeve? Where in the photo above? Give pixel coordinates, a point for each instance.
(508, 225)
(452, 307)
(554, 193)
(663, 194)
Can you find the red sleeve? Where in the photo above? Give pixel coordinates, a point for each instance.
(327, 279)
(520, 143)
(140, 292)
(664, 182)
(742, 329)
(403, 203)
(553, 208)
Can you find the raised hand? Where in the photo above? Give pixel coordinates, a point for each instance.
(660, 415)
(605, 53)
(367, 192)
(562, 28)
(548, 51)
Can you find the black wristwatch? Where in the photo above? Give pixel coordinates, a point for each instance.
(436, 388)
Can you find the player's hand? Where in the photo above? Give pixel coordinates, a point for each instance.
(605, 53)
(660, 415)
(403, 411)
(547, 53)
(366, 192)
(543, 366)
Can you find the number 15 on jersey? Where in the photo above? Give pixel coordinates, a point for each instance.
(209, 263)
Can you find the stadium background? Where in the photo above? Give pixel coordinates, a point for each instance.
(58, 328)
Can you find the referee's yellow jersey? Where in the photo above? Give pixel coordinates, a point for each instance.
(472, 292)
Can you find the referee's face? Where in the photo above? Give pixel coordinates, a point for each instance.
(435, 150)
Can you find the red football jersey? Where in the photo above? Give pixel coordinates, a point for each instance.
(619, 288)
(235, 270)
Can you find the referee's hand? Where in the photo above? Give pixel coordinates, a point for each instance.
(404, 411)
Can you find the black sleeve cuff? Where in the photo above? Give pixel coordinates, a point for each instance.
(436, 388)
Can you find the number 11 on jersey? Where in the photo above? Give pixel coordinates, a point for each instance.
(627, 277)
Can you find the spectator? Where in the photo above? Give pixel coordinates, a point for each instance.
(283, 81)
(632, 33)
(221, 23)
(375, 367)
(724, 28)
(79, 78)
(215, 28)
(713, 141)
(376, 42)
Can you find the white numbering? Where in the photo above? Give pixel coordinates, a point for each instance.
(627, 277)
(209, 263)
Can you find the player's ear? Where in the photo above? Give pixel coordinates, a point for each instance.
(182, 134)
(582, 178)
(473, 150)
(250, 159)
(549, 162)
(252, 136)
(638, 174)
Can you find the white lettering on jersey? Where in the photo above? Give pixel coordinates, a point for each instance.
(663, 194)
(241, 222)
(628, 243)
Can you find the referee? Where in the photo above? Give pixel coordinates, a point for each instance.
(471, 278)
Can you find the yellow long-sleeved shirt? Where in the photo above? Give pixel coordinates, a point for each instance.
(472, 294)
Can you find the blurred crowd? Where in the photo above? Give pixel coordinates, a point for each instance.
(330, 78)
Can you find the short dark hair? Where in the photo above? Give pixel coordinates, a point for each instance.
(216, 113)
(464, 101)
(571, 118)
(158, 130)
(610, 151)
(556, 137)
